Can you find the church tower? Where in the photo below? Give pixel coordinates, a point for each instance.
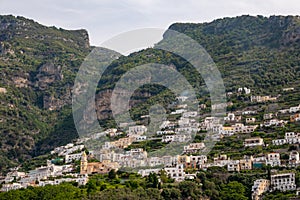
(83, 163)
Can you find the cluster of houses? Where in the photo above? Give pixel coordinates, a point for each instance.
(284, 181)
(180, 131)
(290, 138)
(260, 99)
(40, 176)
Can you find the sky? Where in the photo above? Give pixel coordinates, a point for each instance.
(107, 18)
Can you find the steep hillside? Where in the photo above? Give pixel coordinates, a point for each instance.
(37, 69)
(38, 65)
(256, 52)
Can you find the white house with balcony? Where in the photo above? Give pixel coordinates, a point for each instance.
(233, 166)
(166, 132)
(274, 122)
(72, 157)
(221, 160)
(176, 172)
(294, 160)
(137, 130)
(140, 138)
(283, 182)
(252, 142)
(176, 138)
(279, 142)
(292, 137)
(273, 159)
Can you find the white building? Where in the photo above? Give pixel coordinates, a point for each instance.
(283, 182)
(274, 122)
(165, 132)
(251, 142)
(221, 161)
(188, 130)
(244, 89)
(68, 149)
(183, 121)
(230, 117)
(233, 166)
(279, 142)
(140, 138)
(193, 147)
(164, 124)
(273, 159)
(201, 159)
(176, 138)
(190, 114)
(284, 111)
(294, 160)
(81, 180)
(241, 128)
(259, 187)
(137, 130)
(294, 109)
(288, 89)
(179, 111)
(72, 157)
(182, 98)
(249, 112)
(176, 172)
(11, 186)
(163, 161)
(292, 138)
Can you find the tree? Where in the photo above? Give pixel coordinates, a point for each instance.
(189, 189)
(171, 193)
(91, 186)
(152, 180)
(112, 174)
(233, 191)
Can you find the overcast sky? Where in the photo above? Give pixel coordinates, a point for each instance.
(106, 18)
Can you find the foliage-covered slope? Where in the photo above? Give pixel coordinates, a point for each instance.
(38, 65)
(256, 52)
(37, 69)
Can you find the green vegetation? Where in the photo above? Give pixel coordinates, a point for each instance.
(255, 52)
(123, 185)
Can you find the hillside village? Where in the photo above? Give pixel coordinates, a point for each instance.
(260, 141)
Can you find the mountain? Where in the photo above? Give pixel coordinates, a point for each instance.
(38, 65)
(256, 52)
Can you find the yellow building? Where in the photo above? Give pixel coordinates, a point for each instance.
(123, 142)
(246, 163)
(96, 167)
(260, 186)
